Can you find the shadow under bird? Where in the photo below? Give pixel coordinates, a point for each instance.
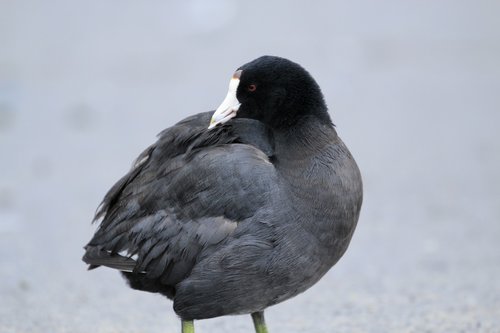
(232, 211)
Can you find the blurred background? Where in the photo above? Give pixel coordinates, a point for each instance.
(413, 87)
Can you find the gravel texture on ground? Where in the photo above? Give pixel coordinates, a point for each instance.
(413, 88)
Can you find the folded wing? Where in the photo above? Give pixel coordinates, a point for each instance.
(184, 198)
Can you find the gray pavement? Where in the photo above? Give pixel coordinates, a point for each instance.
(413, 86)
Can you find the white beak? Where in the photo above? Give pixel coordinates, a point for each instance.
(230, 104)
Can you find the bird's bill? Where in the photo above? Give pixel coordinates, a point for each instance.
(230, 104)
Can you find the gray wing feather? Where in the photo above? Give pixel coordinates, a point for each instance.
(182, 199)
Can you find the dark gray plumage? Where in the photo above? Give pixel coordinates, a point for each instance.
(242, 216)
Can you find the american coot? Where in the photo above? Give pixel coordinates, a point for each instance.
(233, 211)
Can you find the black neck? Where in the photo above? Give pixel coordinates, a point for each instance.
(307, 136)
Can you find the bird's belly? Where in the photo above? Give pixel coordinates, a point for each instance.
(251, 279)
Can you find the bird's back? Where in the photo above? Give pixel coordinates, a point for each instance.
(184, 198)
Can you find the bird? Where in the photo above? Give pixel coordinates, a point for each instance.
(238, 209)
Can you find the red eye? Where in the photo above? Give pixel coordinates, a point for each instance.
(252, 87)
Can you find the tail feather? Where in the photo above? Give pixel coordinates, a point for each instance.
(96, 257)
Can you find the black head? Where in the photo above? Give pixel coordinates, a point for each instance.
(278, 92)
(273, 90)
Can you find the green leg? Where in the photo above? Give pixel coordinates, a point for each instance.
(259, 322)
(187, 326)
